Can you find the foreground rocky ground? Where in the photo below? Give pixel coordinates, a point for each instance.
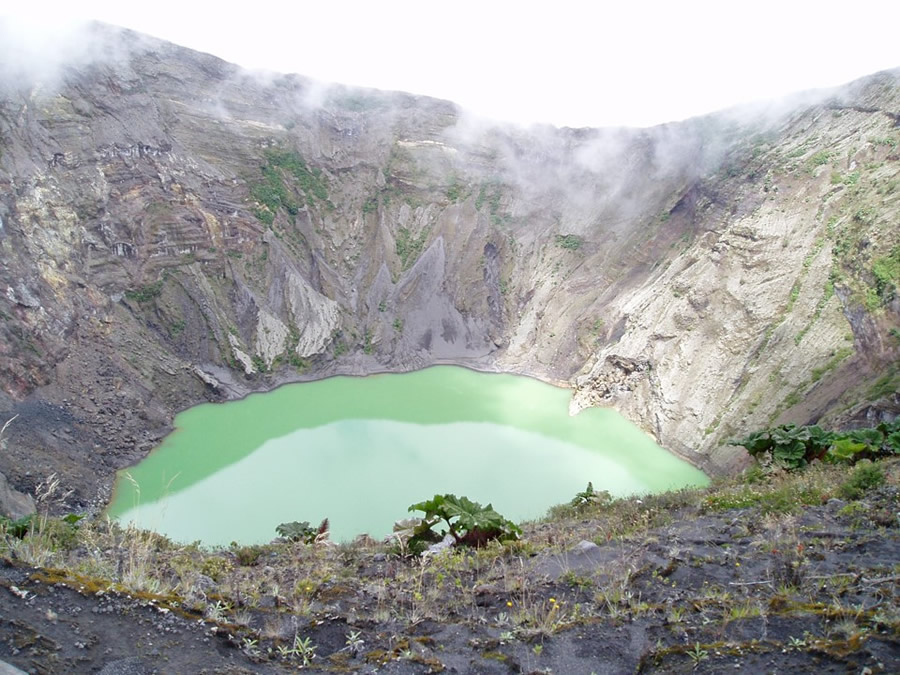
(760, 574)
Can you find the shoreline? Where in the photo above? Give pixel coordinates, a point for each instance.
(112, 489)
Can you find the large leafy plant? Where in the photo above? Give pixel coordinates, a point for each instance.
(302, 531)
(788, 445)
(468, 522)
(794, 447)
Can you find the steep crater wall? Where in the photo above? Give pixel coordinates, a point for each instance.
(175, 230)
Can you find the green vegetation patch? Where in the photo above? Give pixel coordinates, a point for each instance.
(273, 193)
(456, 191)
(865, 215)
(781, 499)
(886, 270)
(887, 140)
(491, 193)
(793, 447)
(885, 385)
(570, 242)
(146, 293)
(410, 247)
(865, 477)
(820, 158)
(370, 205)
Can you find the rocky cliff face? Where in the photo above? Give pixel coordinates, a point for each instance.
(173, 230)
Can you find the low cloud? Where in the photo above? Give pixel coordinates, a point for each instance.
(37, 52)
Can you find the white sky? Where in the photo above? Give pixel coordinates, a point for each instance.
(561, 62)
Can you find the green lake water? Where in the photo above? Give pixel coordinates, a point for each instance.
(360, 450)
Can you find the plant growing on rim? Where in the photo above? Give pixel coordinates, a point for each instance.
(794, 447)
(468, 522)
(588, 497)
(303, 531)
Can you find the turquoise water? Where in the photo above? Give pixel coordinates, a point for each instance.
(359, 451)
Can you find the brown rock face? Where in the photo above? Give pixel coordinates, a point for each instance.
(174, 230)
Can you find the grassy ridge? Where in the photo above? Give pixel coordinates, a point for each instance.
(697, 568)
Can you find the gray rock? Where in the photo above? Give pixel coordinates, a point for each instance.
(205, 583)
(26, 298)
(205, 377)
(584, 546)
(834, 504)
(442, 545)
(14, 504)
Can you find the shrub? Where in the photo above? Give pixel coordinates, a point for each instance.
(408, 246)
(59, 533)
(145, 294)
(864, 478)
(455, 190)
(571, 242)
(271, 193)
(302, 531)
(820, 158)
(753, 475)
(886, 270)
(590, 497)
(247, 556)
(216, 568)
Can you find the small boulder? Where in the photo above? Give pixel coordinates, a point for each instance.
(442, 545)
(206, 584)
(205, 378)
(834, 504)
(584, 546)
